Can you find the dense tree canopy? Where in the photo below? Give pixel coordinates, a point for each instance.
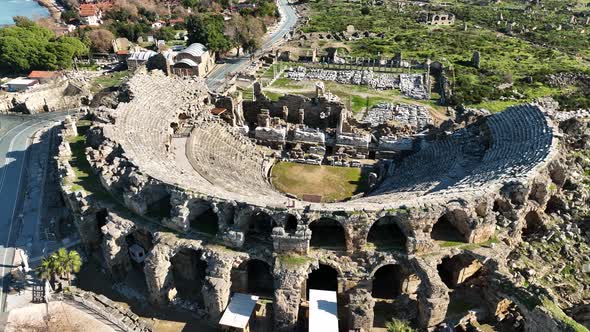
(208, 30)
(27, 46)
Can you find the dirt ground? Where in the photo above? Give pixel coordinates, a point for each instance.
(162, 319)
(55, 317)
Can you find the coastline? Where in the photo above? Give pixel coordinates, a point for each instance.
(53, 8)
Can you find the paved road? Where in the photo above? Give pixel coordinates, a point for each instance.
(288, 20)
(14, 143)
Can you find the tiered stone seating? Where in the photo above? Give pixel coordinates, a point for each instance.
(227, 159)
(521, 139)
(226, 164)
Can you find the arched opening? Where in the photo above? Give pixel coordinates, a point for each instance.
(328, 234)
(466, 278)
(205, 222)
(189, 272)
(534, 224)
(387, 282)
(458, 269)
(139, 244)
(554, 205)
(291, 224)
(323, 278)
(444, 230)
(260, 228)
(386, 234)
(160, 208)
(394, 290)
(253, 277)
(101, 220)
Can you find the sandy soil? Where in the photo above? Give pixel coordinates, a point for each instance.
(61, 317)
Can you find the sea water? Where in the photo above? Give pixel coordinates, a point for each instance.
(28, 8)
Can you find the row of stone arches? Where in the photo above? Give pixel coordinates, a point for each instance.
(328, 233)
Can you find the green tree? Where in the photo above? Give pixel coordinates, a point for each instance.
(208, 30)
(61, 263)
(165, 33)
(27, 46)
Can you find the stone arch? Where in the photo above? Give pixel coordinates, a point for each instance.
(203, 218)
(555, 205)
(456, 270)
(386, 282)
(256, 225)
(188, 271)
(290, 223)
(142, 238)
(158, 201)
(533, 224)
(324, 277)
(253, 276)
(385, 233)
(445, 228)
(393, 289)
(327, 233)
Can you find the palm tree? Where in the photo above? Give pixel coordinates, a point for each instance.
(61, 263)
(45, 269)
(71, 261)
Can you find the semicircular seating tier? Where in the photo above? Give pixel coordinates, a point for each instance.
(222, 163)
(502, 147)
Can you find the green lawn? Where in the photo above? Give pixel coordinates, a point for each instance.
(108, 81)
(331, 182)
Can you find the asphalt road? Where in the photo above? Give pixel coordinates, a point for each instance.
(288, 19)
(14, 143)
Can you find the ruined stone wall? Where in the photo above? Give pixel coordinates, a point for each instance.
(318, 113)
(46, 98)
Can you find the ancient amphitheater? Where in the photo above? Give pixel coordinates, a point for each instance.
(423, 239)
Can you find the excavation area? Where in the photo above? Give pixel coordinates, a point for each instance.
(318, 183)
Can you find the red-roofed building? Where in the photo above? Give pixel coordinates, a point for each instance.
(90, 14)
(44, 76)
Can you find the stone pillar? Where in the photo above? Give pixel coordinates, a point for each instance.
(433, 296)
(216, 293)
(288, 282)
(301, 116)
(264, 118)
(179, 215)
(157, 275)
(360, 307)
(217, 287)
(296, 242)
(114, 246)
(285, 113)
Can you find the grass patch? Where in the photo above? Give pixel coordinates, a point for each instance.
(558, 314)
(108, 81)
(273, 95)
(331, 182)
(85, 180)
(292, 260)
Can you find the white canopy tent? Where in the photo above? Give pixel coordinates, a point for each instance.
(323, 311)
(238, 312)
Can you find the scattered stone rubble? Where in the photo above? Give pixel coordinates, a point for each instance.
(412, 85)
(415, 116)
